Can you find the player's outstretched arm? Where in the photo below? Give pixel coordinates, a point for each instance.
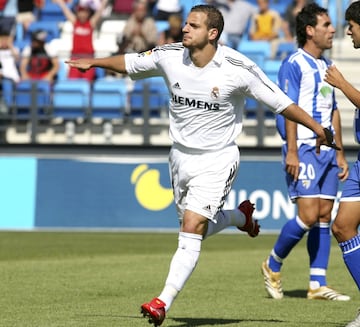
(115, 63)
(296, 114)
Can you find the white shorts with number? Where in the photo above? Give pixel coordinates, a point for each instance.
(201, 181)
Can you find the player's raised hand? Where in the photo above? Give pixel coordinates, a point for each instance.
(82, 64)
(334, 77)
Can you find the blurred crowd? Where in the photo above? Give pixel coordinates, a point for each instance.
(27, 52)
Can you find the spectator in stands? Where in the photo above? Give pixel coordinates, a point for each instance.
(266, 25)
(290, 18)
(237, 15)
(9, 56)
(164, 8)
(140, 32)
(84, 20)
(174, 33)
(39, 60)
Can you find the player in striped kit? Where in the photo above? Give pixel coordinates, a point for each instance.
(208, 85)
(312, 178)
(347, 220)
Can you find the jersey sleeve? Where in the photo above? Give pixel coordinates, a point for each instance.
(289, 77)
(142, 65)
(260, 87)
(289, 80)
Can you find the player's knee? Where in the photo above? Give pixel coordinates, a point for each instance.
(309, 221)
(336, 230)
(342, 231)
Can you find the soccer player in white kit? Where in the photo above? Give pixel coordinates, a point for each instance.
(347, 220)
(208, 84)
(312, 178)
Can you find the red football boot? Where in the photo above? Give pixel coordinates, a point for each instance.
(251, 226)
(155, 311)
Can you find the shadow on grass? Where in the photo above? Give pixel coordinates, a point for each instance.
(193, 322)
(296, 293)
(196, 322)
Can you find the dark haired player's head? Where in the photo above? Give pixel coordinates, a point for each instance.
(307, 17)
(353, 12)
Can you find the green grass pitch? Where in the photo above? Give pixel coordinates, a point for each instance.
(78, 279)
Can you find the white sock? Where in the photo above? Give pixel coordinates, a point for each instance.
(224, 219)
(181, 267)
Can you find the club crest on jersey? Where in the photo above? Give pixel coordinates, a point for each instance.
(145, 53)
(215, 92)
(306, 183)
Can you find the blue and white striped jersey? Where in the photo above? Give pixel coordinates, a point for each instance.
(206, 104)
(301, 77)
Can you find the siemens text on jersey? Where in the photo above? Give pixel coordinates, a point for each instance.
(195, 103)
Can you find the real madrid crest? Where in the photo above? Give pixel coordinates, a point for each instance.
(215, 92)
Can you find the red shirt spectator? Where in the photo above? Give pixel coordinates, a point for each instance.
(84, 21)
(82, 39)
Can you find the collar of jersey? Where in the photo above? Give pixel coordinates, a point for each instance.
(218, 57)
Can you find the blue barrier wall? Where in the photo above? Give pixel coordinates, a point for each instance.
(52, 193)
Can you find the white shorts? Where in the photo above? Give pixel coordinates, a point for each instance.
(201, 181)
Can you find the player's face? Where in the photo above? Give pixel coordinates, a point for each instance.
(354, 32)
(323, 32)
(195, 32)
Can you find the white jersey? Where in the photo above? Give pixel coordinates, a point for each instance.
(206, 104)
(301, 77)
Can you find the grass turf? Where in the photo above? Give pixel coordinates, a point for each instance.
(100, 279)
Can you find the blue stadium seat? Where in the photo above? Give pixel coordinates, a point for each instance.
(51, 12)
(27, 91)
(158, 97)
(284, 49)
(51, 27)
(71, 99)
(271, 68)
(258, 51)
(109, 98)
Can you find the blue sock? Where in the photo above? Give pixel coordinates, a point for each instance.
(318, 246)
(351, 256)
(291, 233)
